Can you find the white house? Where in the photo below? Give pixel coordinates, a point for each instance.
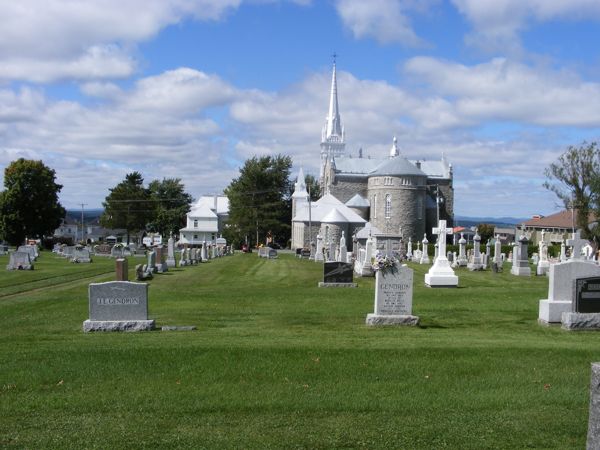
(205, 220)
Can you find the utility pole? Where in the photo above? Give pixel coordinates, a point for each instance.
(82, 205)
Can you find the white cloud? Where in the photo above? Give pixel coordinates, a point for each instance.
(497, 23)
(385, 20)
(46, 40)
(505, 90)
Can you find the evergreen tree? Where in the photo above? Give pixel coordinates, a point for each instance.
(128, 205)
(29, 205)
(171, 204)
(259, 201)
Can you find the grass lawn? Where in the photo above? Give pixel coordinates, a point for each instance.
(278, 363)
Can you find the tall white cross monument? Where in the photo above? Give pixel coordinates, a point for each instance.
(441, 274)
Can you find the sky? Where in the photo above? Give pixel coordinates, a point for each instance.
(192, 88)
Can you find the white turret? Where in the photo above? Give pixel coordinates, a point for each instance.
(394, 150)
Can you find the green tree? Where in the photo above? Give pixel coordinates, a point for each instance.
(259, 200)
(128, 205)
(574, 178)
(486, 231)
(171, 204)
(29, 205)
(313, 187)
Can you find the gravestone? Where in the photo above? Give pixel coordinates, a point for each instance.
(118, 306)
(141, 274)
(441, 274)
(161, 259)
(424, 255)
(337, 274)
(151, 265)
(182, 261)
(476, 261)
(543, 263)
(362, 265)
(121, 269)
(28, 249)
(343, 253)
(409, 250)
(393, 297)
(498, 252)
(563, 251)
(81, 255)
(19, 261)
(521, 266)
(118, 251)
(560, 286)
(462, 260)
(171, 252)
(585, 314)
(103, 249)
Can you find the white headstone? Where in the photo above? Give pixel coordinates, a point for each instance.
(424, 255)
(462, 251)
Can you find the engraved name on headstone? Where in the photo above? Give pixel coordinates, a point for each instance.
(587, 295)
(393, 292)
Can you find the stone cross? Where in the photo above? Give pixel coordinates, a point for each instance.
(442, 231)
(576, 243)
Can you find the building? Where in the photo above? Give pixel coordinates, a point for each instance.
(394, 194)
(205, 221)
(557, 226)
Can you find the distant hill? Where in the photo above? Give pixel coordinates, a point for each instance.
(89, 215)
(509, 222)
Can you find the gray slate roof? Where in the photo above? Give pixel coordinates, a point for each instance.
(397, 166)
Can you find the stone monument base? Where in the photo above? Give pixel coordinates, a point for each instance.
(117, 325)
(521, 271)
(438, 281)
(171, 263)
(337, 285)
(375, 320)
(580, 321)
(551, 311)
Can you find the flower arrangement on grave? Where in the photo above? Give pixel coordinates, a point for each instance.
(383, 263)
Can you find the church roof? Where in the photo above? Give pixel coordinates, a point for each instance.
(358, 201)
(368, 230)
(334, 216)
(363, 167)
(322, 207)
(397, 166)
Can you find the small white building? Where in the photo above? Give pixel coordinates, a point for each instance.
(205, 220)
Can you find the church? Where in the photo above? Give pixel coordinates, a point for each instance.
(392, 195)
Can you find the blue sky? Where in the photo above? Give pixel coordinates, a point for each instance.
(192, 88)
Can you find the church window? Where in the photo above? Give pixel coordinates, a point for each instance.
(420, 208)
(375, 206)
(388, 206)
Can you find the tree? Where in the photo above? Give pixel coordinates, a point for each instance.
(29, 206)
(313, 187)
(171, 204)
(259, 200)
(486, 231)
(574, 178)
(128, 205)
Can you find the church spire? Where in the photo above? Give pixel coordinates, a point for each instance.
(334, 125)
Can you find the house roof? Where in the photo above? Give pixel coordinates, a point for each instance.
(202, 210)
(209, 200)
(562, 219)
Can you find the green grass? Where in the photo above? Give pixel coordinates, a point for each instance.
(278, 363)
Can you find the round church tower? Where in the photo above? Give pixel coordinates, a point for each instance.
(396, 192)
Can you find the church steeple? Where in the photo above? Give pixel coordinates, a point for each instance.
(333, 136)
(333, 124)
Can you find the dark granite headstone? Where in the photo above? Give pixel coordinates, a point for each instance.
(587, 295)
(337, 272)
